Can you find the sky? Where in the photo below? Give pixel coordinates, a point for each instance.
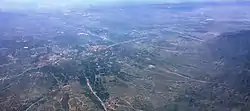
(101, 1)
(64, 3)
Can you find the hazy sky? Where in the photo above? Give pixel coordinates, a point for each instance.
(98, 1)
(60, 3)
